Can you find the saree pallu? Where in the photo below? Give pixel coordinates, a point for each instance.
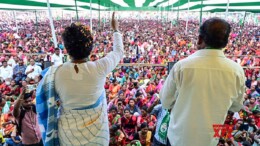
(86, 126)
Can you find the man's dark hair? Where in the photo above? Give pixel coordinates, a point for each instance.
(78, 41)
(215, 32)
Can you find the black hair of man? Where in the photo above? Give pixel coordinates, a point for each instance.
(215, 33)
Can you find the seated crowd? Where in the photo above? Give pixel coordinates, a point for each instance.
(135, 113)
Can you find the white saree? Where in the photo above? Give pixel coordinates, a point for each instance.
(83, 117)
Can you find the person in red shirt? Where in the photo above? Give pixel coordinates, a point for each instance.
(5, 88)
(256, 117)
(150, 87)
(113, 116)
(145, 117)
(114, 89)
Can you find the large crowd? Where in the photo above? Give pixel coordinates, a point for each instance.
(132, 92)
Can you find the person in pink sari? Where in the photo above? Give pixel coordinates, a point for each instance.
(160, 85)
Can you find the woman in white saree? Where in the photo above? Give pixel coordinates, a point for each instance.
(79, 84)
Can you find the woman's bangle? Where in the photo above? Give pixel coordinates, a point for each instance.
(116, 30)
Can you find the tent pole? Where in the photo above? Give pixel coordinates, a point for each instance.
(201, 5)
(178, 15)
(52, 25)
(164, 14)
(171, 11)
(14, 12)
(168, 12)
(161, 14)
(71, 18)
(77, 14)
(227, 9)
(104, 18)
(187, 21)
(243, 24)
(91, 15)
(109, 13)
(171, 15)
(99, 14)
(36, 21)
(62, 18)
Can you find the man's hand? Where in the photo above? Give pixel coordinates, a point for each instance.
(21, 96)
(17, 141)
(114, 23)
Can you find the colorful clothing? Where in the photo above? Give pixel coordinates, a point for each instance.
(129, 126)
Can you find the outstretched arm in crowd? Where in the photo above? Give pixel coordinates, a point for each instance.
(108, 63)
(18, 104)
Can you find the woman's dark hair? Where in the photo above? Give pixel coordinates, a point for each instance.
(131, 99)
(215, 32)
(120, 100)
(78, 41)
(249, 96)
(115, 127)
(145, 108)
(1, 98)
(249, 120)
(113, 108)
(151, 93)
(144, 125)
(127, 109)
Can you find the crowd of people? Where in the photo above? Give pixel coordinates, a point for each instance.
(135, 114)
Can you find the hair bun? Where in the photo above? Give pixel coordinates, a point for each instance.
(73, 25)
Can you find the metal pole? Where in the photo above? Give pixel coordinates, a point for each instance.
(71, 18)
(168, 12)
(187, 21)
(99, 14)
(109, 13)
(164, 12)
(52, 25)
(178, 15)
(14, 12)
(104, 18)
(36, 21)
(243, 24)
(77, 14)
(62, 18)
(227, 9)
(91, 15)
(201, 5)
(161, 14)
(171, 13)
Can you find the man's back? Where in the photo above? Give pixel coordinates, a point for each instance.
(206, 84)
